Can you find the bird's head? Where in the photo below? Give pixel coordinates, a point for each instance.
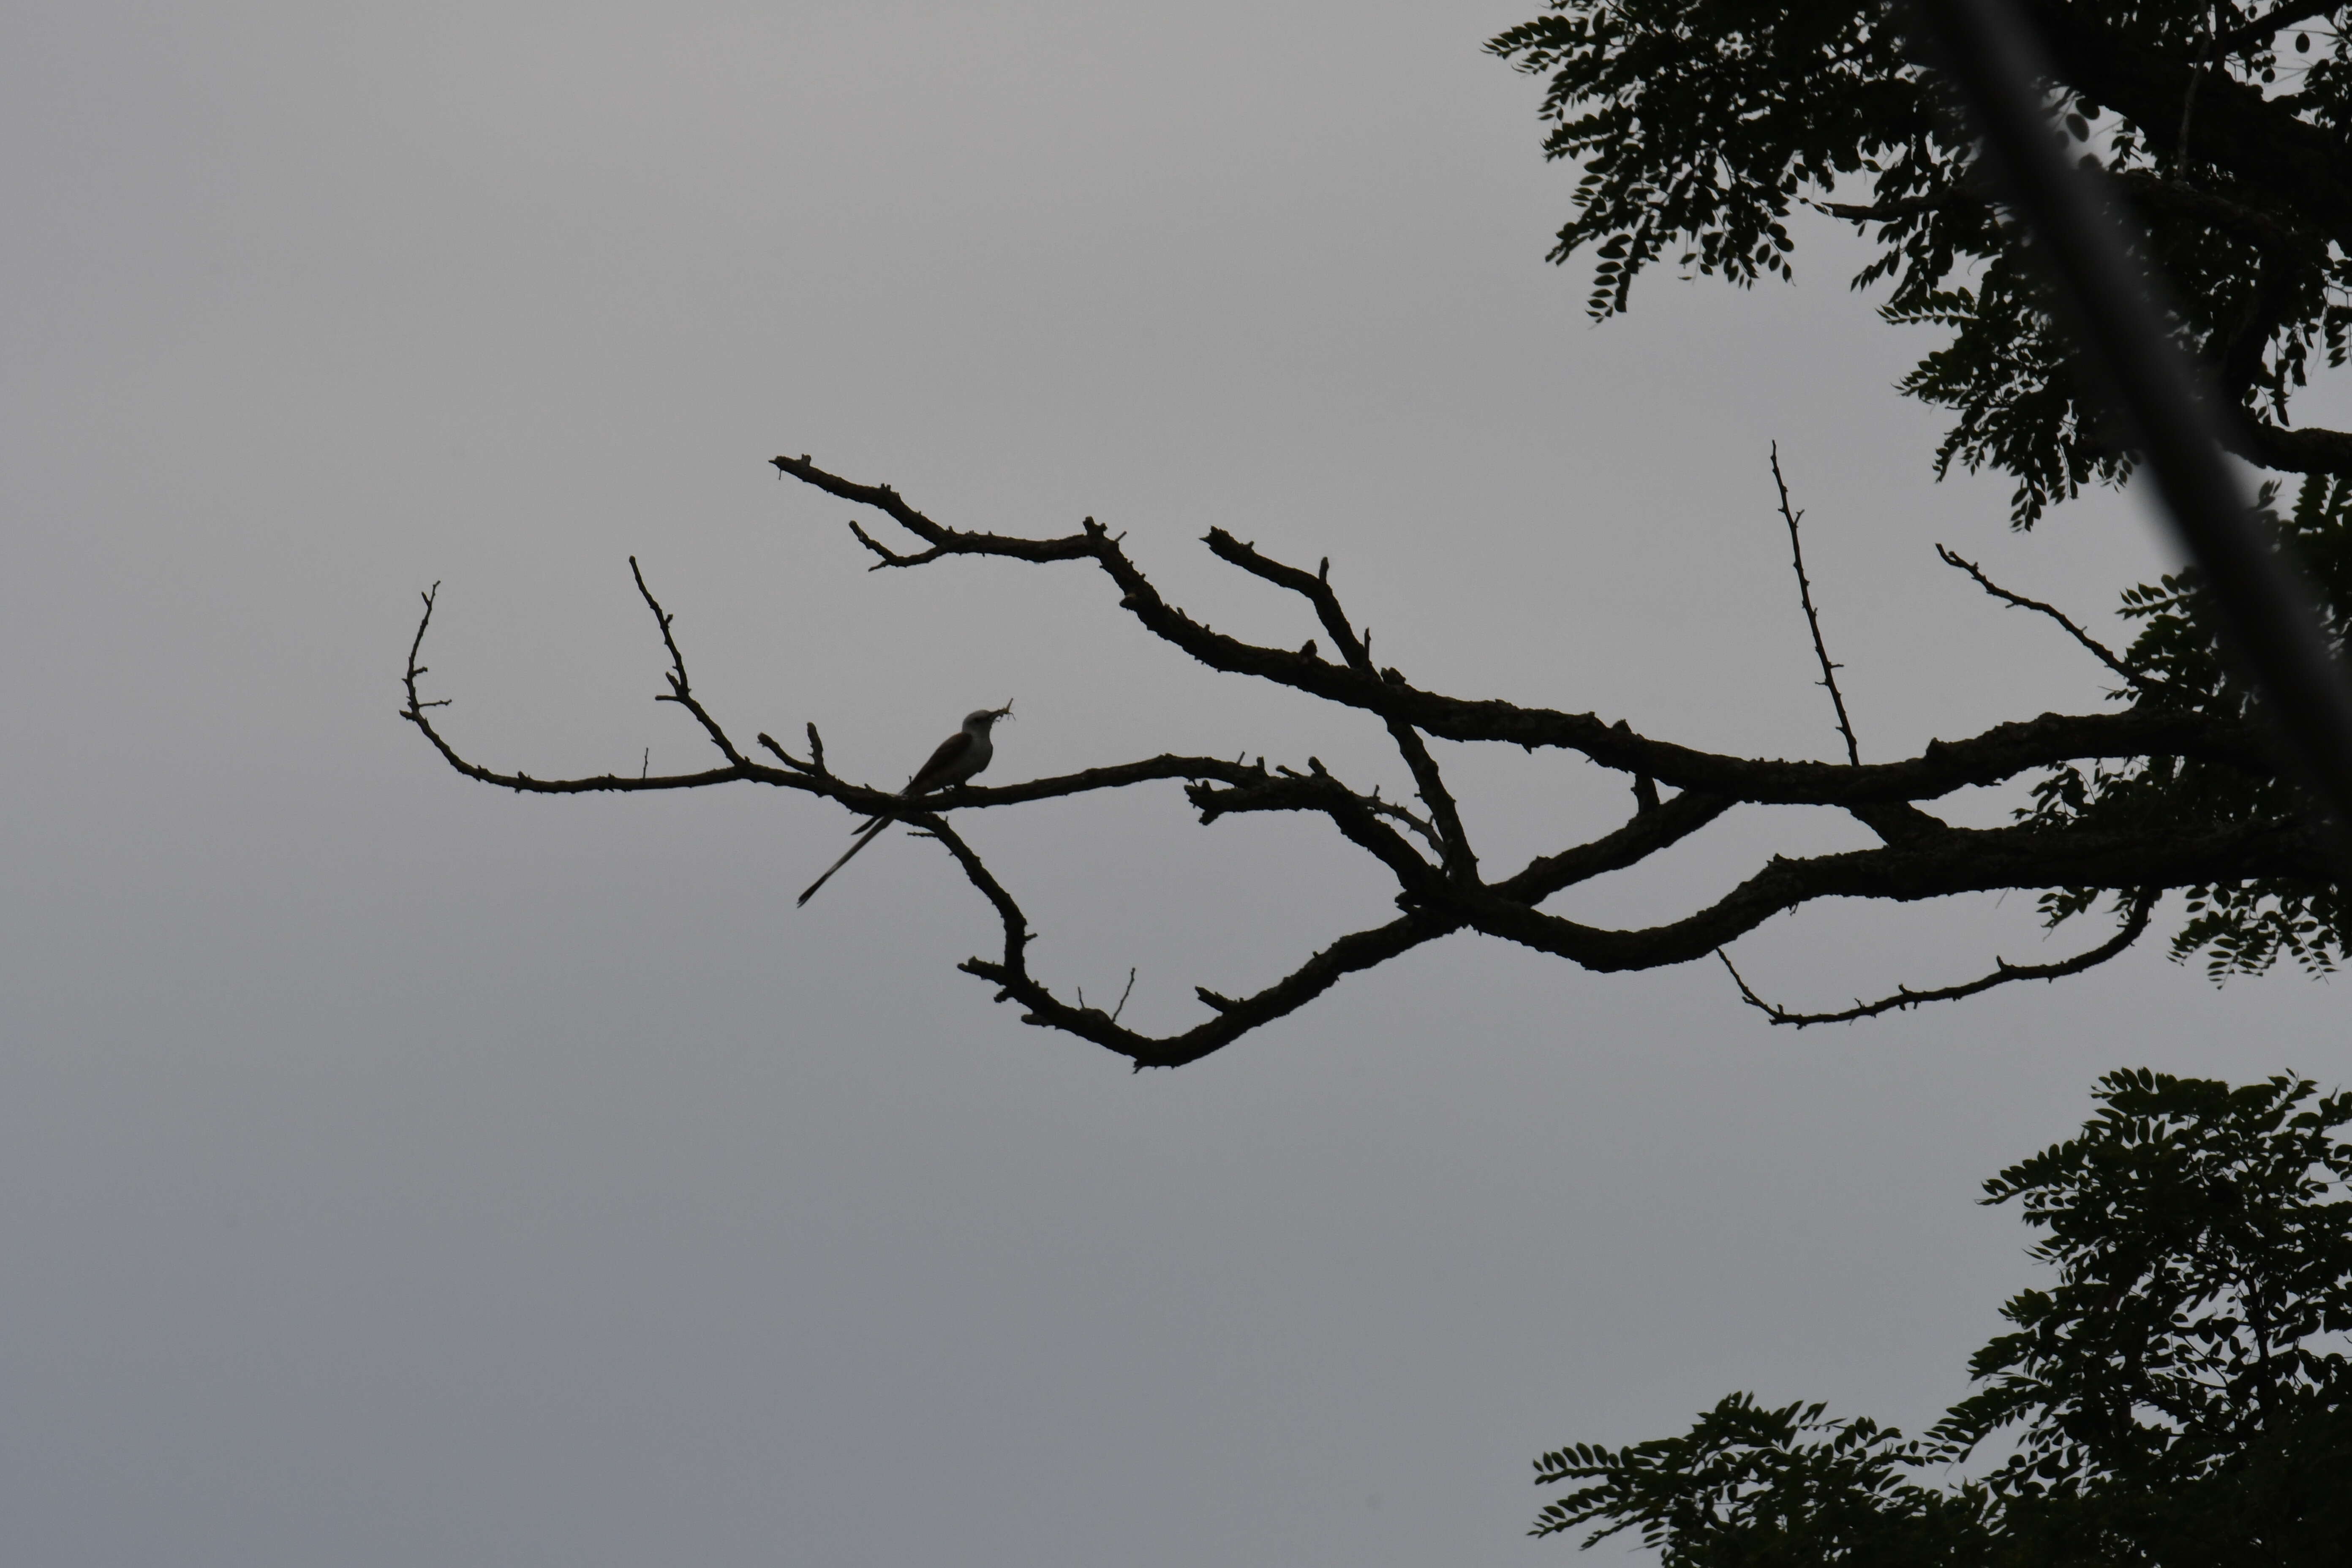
(980, 718)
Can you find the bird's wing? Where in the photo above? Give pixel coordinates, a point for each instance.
(931, 774)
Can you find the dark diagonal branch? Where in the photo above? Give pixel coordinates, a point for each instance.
(681, 690)
(889, 556)
(1232, 1017)
(1438, 887)
(2097, 649)
(2135, 925)
(1812, 618)
(1413, 822)
(1651, 830)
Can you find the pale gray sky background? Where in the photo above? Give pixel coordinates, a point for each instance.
(395, 1172)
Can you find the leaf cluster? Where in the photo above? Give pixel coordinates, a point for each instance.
(1698, 122)
(1699, 126)
(1758, 1487)
(2241, 927)
(2180, 1398)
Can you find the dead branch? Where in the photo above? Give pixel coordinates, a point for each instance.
(2097, 649)
(681, 690)
(1440, 888)
(2004, 973)
(1812, 618)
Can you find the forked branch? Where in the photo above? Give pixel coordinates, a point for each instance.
(1427, 855)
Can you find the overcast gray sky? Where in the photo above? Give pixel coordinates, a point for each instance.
(395, 1172)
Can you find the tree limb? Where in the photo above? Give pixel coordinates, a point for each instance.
(2000, 752)
(1442, 890)
(1233, 1017)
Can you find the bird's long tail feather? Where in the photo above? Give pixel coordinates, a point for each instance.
(866, 835)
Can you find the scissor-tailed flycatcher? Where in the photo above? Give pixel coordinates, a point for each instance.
(960, 756)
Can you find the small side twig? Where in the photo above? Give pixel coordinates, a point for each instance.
(781, 755)
(414, 711)
(2135, 923)
(2097, 649)
(681, 690)
(889, 556)
(1416, 823)
(1805, 597)
(1355, 649)
(1123, 995)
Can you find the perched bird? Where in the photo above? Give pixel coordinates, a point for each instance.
(960, 756)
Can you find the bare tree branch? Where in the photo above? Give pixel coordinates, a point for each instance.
(1454, 843)
(1651, 829)
(1999, 754)
(2098, 649)
(681, 690)
(1439, 886)
(2136, 919)
(1812, 619)
(1896, 211)
(1234, 1016)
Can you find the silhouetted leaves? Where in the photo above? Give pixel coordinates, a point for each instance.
(1699, 125)
(2181, 1399)
(2241, 928)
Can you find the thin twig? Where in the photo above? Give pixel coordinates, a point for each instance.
(2004, 972)
(681, 690)
(1451, 841)
(1896, 211)
(781, 755)
(1123, 995)
(1805, 596)
(1919, 858)
(889, 556)
(2098, 649)
(414, 711)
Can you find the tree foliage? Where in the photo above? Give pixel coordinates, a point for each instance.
(1699, 126)
(2240, 927)
(2180, 1398)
